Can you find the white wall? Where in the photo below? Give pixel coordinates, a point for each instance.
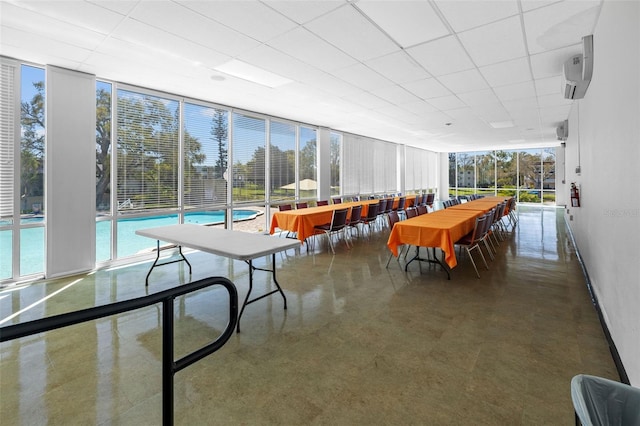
(604, 139)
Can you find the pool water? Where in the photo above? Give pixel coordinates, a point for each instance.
(128, 243)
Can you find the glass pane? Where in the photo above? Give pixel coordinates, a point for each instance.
(452, 171)
(308, 163)
(549, 168)
(6, 260)
(336, 147)
(530, 176)
(129, 243)
(506, 164)
(249, 141)
(466, 171)
(103, 148)
(32, 143)
(205, 156)
(147, 152)
(486, 171)
(31, 251)
(103, 240)
(282, 158)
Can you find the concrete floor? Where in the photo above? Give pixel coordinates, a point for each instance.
(358, 344)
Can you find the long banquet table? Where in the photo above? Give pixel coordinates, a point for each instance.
(440, 229)
(303, 221)
(482, 204)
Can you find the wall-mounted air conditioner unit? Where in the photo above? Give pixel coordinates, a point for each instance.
(577, 71)
(563, 130)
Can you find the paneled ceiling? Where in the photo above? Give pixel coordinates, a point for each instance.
(446, 75)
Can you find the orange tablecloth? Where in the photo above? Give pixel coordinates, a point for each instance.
(302, 221)
(439, 229)
(482, 204)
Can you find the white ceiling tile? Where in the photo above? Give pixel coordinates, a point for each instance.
(442, 56)
(171, 46)
(549, 86)
(515, 91)
(398, 67)
(79, 14)
(393, 111)
(555, 113)
(419, 107)
(447, 102)
(494, 113)
(361, 76)
(464, 15)
(351, 32)
(549, 64)
(277, 62)
(46, 49)
(464, 81)
(554, 100)
(192, 26)
(248, 17)
(479, 98)
(407, 22)
(535, 4)
(395, 94)
(505, 73)
(521, 104)
(309, 48)
(331, 84)
(51, 28)
(304, 11)
(560, 24)
(497, 42)
(367, 100)
(427, 88)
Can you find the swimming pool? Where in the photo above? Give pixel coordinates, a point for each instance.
(128, 243)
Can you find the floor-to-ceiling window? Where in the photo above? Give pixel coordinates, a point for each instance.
(335, 161)
(104, 214)
(282, 162)
(22, 209)
(308, 164)
(527, 174)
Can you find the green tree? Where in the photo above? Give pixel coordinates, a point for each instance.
(103, 147)
(148, 151)
(334, 162)
(219, 134)
(32, 145)
(308, 164)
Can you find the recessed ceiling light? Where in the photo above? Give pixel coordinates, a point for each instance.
(218, 77)
(252, 73)
(501, 124)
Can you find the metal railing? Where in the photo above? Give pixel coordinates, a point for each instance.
(166, 297)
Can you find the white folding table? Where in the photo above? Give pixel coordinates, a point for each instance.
(222, 242)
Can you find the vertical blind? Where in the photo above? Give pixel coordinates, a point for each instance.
(370, 166)
(147, 164)
(420, 169)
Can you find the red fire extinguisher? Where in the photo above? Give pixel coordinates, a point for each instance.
(575, 195)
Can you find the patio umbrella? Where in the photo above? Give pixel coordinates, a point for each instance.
(305, 185)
